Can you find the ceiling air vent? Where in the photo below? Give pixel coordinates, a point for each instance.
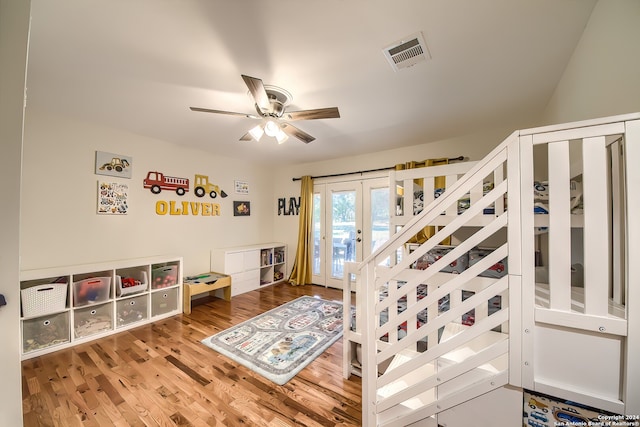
(407, 52)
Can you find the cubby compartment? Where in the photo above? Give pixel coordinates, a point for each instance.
(91, 288)
(266, 257)
(164, 276)
(266, 275)
(131, 281)
(131, 310)
(279, 254)
(92, 320)
(278, 272)
(44, 332)
(163, 302)
(42, 297)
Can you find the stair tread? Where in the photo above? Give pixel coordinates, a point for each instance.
(461, 353)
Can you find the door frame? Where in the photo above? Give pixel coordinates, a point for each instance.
(321, 256)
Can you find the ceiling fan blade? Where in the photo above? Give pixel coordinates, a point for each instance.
(229, 113)
(297, 133)
(246, 137)
(320, 113)
(256, 87)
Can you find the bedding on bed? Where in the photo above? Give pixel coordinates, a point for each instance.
(540, 193)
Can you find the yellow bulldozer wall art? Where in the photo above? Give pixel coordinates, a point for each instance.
(113, 164)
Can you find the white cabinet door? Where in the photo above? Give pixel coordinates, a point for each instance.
(234, 262)
(245, 282)
(251, 260)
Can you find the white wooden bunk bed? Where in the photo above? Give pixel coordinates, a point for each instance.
(448, 324)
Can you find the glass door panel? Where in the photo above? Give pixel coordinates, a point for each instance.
(318, 240)
(378, 220)
(344, 221)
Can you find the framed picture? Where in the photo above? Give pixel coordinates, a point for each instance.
(113, 164)
(112, 198)
(241, 208)
(242, 187)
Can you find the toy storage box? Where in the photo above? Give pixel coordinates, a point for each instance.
(164, 302)
(164, 276)
(43, 299)
(92, 320)
(45, 331)
(91, 291)
(131, 283)
(131, 310)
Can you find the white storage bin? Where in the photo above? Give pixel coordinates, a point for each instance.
(165, 276)
(131, 310)
(43, 299)
(132, 283)
(91, 291)
(92, 320)
(164, 301)
(45, 331)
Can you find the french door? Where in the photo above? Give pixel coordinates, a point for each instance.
(351, 220)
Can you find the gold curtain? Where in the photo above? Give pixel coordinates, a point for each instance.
(439, 182)
(301, 273)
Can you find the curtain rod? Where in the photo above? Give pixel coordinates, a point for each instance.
(368, 170)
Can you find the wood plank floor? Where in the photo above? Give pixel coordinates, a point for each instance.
(161, 375)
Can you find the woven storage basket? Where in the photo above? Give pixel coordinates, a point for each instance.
(43, 299)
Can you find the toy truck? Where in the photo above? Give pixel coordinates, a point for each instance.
(115, 163)
(202, 186)
(157, 181)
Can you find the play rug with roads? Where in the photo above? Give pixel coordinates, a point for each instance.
(281, 342)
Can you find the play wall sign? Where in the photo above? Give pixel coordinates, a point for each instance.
(289, 207)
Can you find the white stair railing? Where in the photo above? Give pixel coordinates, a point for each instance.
(448, 354)
(431, 340)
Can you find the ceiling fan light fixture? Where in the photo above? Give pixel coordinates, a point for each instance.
(271, 128)
(281, 136)
(270, 103)
(256, 132)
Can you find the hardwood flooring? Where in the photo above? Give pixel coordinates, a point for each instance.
(161, 375)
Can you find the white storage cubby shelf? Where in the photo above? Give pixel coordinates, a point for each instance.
(65, 306)
(251, 267)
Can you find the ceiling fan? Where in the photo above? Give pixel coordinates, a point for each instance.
(271, 103)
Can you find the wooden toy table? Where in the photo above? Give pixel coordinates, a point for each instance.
(205, 282)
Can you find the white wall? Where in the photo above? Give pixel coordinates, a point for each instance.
(602, 77)
(60, 225)
(14, 29)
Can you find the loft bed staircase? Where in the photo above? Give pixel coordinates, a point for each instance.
(543, 306)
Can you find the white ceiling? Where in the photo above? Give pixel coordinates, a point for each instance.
(138, 65)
